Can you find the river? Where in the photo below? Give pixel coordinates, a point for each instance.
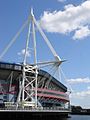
(77, 117)
(71, 117)
(27, 116)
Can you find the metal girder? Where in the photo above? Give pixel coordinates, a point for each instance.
(28, 90)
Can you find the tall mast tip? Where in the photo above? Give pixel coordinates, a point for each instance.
(32, 11)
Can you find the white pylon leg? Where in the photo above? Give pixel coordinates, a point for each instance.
(28, 91)
(35, 58)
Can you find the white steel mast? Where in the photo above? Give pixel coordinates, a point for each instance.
(35, 57)
(29, 84)
(25, 60)
(28, 91)
(27, 95)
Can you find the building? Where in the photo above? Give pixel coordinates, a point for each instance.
(51, 94)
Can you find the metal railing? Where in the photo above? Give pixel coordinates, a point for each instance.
(13, 108)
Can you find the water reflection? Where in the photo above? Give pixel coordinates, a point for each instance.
(70, 117)
(51, 117)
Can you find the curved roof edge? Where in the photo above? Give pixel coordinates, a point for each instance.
(18, 67)
(42, 72)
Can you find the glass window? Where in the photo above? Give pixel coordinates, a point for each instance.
(17, 67)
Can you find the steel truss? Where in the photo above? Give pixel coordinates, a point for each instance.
(28, 90)
(27, 95)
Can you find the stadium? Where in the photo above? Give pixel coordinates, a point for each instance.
(54, 95)
(26, 86)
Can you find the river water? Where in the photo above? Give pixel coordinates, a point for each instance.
(77, 117)
(71, 117)
(20, 116)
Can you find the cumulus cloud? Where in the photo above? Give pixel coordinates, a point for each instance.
(61, 0)
(81, 33)
(81, 98)
(72, 18)
(81, 94)
(22, 52)
(78, 80)
(88, 87)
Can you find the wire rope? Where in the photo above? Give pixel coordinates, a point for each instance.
(13, 40)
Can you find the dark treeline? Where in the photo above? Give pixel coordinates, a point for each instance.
(79, 110)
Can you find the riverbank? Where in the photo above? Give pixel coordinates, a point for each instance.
(78, 110)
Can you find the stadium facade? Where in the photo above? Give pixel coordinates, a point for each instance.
(26, 86)
(50, 92)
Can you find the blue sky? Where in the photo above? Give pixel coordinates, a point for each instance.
(66, 24)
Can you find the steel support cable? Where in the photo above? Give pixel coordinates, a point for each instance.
(48, 63)
(53, 67)
(46, 39)
(46, 74)
(55, 70)
(43, 66)
(47, 84)
(59, 74)
(71, 90)
(13, 39)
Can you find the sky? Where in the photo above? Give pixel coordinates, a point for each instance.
(66, 24)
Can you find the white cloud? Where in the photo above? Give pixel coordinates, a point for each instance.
(72, 18)
(61, 0)
(81, 94)
(78, 80)
(81, 98)
(22, 52)
(81, 33)
(88, 87)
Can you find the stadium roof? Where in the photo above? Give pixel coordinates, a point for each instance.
(6, 68)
